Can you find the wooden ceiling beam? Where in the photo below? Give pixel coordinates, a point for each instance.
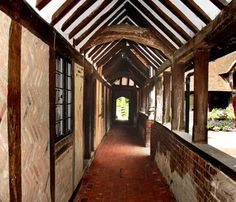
(153, 55)
(40, 4)
(97, 23)
(218, 4)
(88, 19)
(99, 50)
(87, 4)
(168, 20)
(151, 61)
(217, 31)
(140, 56)
(159, 24)
(63, 10)
(102, 27)
(170, 6)
(129, 32)
(95, 50)
(118, 63)
(142, 22)
(105, 50)
(197, 11)
(113, 77)
(110, 53)
(134, 60)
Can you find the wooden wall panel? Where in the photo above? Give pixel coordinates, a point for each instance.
(78, 135)
(99, 128)
(4, 165)
(35, 118)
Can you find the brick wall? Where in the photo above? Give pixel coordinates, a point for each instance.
(190, 176)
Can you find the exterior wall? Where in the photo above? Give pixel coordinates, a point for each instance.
(79, 134)
(70, 150)
(190, 177)
(4, 166)
(35, 118)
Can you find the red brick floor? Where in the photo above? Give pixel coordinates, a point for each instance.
(122, 171)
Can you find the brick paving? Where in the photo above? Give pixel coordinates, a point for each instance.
(122, 171)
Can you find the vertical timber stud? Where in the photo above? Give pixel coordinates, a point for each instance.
(201, 60)
(14, 112)
(166, 96)
(52, 96)
(177, 100)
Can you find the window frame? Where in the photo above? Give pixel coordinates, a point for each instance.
(63, 86)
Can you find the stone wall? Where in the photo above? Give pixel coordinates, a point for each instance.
(78, 134)
(5, 22)
(35, 118)
(190, 176)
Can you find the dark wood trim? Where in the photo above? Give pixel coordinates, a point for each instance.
(52, 79)
(87, 20)
(63, 10)
(172, 36)
(179, 14)
(14, 112)
(218, 4)
(177, 96)
(42, 3)
(77, 14)
(97, 23)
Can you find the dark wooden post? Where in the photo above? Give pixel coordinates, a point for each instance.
(177, 99)
(166, 96)
(14, 112)
(159, 98)
(201, 60)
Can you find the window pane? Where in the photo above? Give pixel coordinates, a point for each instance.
(59, 112)
(59, 65)
(68, 110)
(68, 96)
(68, 69)
(59, 96)
(59, 80)
(59, 128)
(68, 83)
(69, 124)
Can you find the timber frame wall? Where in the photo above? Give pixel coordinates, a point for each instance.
(22, 16)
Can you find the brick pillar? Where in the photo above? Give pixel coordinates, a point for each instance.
(201, 60)
(177, 97)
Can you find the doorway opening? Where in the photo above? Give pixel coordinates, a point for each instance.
(122, 109)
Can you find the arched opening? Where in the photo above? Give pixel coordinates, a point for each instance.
(122, 109)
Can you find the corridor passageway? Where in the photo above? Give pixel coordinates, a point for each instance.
(122, 171)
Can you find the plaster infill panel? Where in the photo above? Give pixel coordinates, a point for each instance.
(79, 140)
(64, 176)
(5, 22)
(35, 118)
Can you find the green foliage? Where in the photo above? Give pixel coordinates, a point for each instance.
(221, 125)
(221, 114)
(221, 120)
(122, 108)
